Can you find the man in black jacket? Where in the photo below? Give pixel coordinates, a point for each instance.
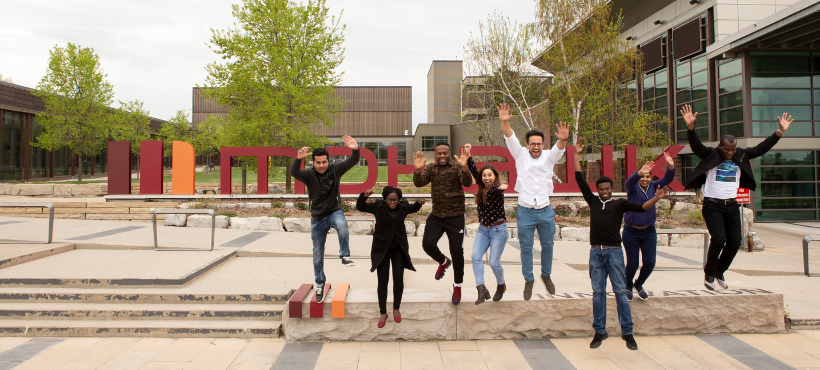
(719, 174)
(322, 181)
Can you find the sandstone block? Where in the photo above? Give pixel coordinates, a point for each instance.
(420, 230)
(87, 190)
(297, 224)
(662, 204)
(257, 223)
(205, 221)
(663, 240)
(95, 210)
(5, 189)
(28, 215)
(427, 207)
(254, 205)
(686, 241)
(565, 208)
(102, 189)
(410, 227)
(70, 205)
(107, 216)
(32, 189)
(21, 210)
(470, 207)
(176, 220)
(687, 207)
(471, 230)
(141, 217)
(289, 205)
(579, 234)
(63, 190)
(510, 208)
(139, 211)
(360, 227)
(275, 189)
(68, 216)
(758, 244)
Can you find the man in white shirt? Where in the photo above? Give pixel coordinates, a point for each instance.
(534, 185)
(719, 174)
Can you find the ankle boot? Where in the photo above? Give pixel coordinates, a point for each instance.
(499, 292)
(483, 294)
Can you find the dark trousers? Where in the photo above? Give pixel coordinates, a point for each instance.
(723, 222)
(396, 258)
(643, 243)
(455, 228)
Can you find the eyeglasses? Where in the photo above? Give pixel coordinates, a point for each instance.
(535, 144)
(388, 200)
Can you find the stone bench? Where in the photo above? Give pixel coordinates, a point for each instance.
(429, 315)
(49, 206)
(806, 241)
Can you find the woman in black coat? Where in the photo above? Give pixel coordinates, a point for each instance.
(389, 244)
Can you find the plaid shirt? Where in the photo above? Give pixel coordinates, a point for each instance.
(447, 192)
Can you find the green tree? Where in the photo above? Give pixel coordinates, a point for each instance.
(207, 138)
(76, 96)
(278, 73)
(131, 123)
(178, 128)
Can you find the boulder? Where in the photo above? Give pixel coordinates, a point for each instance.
(509, 209)
(581, 206)
(289, 205)
(427, 207)
(686, 241)
(662, 204)
(578, 234)
(420, 230)
(663, 240)
(257, 223)
(687, 207)
(758, 244)
(222, 222)
(275, 189)
(410, 227)
(297, 224)
(566, 208)
(470, 207)
(471, 230)
(176, 220)
(514, 233)
(360, 227)
(255, 205)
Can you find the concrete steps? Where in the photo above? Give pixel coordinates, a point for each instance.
(140, 328)
(89, 295)
(137, 311)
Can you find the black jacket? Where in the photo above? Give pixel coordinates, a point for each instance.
(323, 204)
(386, 228)
(711, 158)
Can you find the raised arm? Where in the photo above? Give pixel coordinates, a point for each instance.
(770, 141)
(504, 116)
(659, 194)
(471, 164)
(421, 176)
(353, 160)
(698, 148)
(363, 206)
(295, 166)
(579, 176)
(562, 135)
(632, 180)
(464, 175)
(417, 205)
(669, 175)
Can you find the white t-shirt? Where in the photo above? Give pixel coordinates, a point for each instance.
(722, 181)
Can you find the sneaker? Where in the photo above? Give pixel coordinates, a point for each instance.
(629, 294)
(456, 294)
(721, 280)
(597, 339)
(320, 293)
(709, 282)
(643, 295)
(548, 284)
(528, 290)
(630, 342)
(442, 267)
(347, 262)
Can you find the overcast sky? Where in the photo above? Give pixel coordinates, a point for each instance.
(156, 50)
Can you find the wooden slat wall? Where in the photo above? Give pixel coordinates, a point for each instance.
(19, 97)
(370, 110)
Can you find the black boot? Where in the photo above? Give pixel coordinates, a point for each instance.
(483, 294)
(499, 292)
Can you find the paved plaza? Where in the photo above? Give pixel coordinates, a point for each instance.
(98, 278)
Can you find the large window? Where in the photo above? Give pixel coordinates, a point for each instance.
(690, 88)
(730, 98)
(688, 164)
(787, 185)
(11, 146)
(655, 94)
(40, 158)
(428, 143)
(784, 82)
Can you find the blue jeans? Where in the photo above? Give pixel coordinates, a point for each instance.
(529, 220)
(493, 238)
(318, 233)
(639, 242)
(602, 263)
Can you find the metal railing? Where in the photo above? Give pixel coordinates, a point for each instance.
(48, 205)
(210, 212)
(806, 241)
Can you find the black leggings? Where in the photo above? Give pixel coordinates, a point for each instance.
(396, 258)
(454, 228)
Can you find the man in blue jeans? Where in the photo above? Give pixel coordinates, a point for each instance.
(605, 255)
(534, 185)
(322, 181)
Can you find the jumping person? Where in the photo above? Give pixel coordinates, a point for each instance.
(719, 174)
(447, 179)
(534, 167)
(390, 244)
(639, 235)
(605, 255)
(492, 231)
(322, 181)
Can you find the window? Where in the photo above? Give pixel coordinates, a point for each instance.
(730, 98)
(787, 185)
(11, 146)
(784, 82)
(655, 96)
(690, 88)
(688, 164)
(428, 143)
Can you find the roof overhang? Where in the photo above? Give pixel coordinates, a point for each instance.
(797, 26)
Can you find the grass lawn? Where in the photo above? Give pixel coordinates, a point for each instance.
(356, 175)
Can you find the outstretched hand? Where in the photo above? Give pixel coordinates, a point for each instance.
(785, 122)
(368, 192)
(579, 148)
(420, 200)
(647, 167)
(503, 186)
(669, 161)
(467, 148)
(504, 112)
(303, 152)
(462, 160)
(688, 117)
(418, 161)
(350, 142)
(660, 193)
(563, 131)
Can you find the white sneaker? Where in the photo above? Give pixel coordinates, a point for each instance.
(347, 262)
(710, 283)
(320, 293)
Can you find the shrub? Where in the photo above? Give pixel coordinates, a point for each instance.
(583, 213)
(562, 212)
(423, 212)
(513, 214)
(561, 225)
(416, 222)
(227, 213)
(662, 226)
(345, 208)
(302, 206)
(276, 205)
(694, 217)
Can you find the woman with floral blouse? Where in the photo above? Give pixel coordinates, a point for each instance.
(492, 230)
